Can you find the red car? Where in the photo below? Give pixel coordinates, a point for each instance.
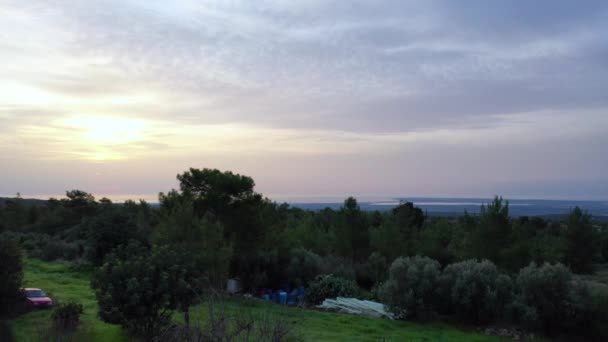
(37, 297)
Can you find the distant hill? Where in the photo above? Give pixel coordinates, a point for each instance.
(28, 201)
(447, 207)
(456, 206)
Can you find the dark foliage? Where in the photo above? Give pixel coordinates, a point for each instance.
(139, 288)
(330, 286)
(548, 297)
(11, 276)
(411, 289)
(217, 226)
(474, 291)
(66, 316)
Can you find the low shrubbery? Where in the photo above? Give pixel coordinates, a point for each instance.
(140, 288)
(474, 292)
(304, 266)
(599, 313)
(67, 316)
(338, 266)
(548, 297)
(223, 326)
(411, 289)
(330, 286)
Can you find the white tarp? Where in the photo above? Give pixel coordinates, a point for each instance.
(357, 307)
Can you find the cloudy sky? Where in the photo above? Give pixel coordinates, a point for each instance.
(311, 98)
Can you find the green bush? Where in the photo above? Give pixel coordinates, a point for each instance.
(338, 266)
(547, 297)
(304, 266)
(330, 286)
(376, 268)
(599, 313)
(411, 289)
(139, 288)
(474, 291)
(67, 316)
(11, 276)
(53, 250)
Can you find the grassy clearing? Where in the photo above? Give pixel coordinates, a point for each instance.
(310, 325)
(65, 284)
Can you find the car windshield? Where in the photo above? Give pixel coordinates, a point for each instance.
(35, 294)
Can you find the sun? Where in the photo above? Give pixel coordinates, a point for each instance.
(107, 130)
(104, 138)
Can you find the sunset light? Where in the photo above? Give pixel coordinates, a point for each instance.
(107, 130)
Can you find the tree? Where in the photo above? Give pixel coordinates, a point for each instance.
(81, 203)
(231, 199)
(14, 214)
(216, 191)
(408, 217)
(11, 275)
(202, 238)
(411, 289)
(109, 229)
(409, 220)
(389, 240)
(580, 243)
(475, 291)
(493, 230)
(352, 235)
(549, 296)
(139, 288)
(435, 240)
(304, 266)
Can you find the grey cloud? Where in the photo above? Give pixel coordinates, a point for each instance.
(356, 65)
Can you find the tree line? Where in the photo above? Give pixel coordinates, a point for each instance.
(217, 226)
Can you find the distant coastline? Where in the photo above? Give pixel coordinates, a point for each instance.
(433, 206)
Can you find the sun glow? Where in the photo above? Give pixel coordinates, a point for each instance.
(108, 130)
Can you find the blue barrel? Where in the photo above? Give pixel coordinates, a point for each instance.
(283, 297)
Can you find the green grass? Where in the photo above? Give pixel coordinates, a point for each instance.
(63, 285)
(312, 325)
(309, 325)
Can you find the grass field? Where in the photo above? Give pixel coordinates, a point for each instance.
(308, 325)
(63, 285)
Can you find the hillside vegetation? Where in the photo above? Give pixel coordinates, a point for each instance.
(140, 267)
(66, 284)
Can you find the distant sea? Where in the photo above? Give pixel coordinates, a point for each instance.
(433, 206)
(457, 206)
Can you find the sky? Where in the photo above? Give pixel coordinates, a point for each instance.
(313, 99)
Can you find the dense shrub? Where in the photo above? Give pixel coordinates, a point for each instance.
(411, 289)
(139, 289)
(547, 297)
(11, 275)
(67, 316)
(55, 249)
(474, 291)
(375, 269)
(108, 230)
(304, 266)
(599, 314)
(330, 286)
(338, 266)
(580, 243)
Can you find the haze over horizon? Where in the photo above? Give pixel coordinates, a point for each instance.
(312, 99)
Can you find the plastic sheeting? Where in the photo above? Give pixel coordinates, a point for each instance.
(357, 307)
